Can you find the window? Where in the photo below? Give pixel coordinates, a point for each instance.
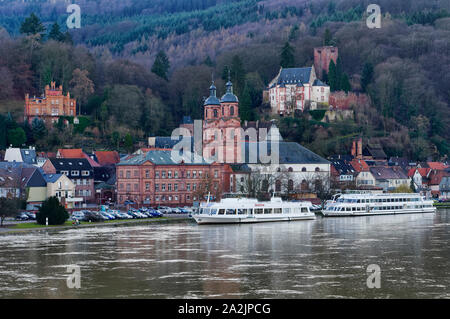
(128, 187)
(176, 174)
(194, 187)
(175, 187)
(136, 173)
(147, 174)
(75, 173)
(200, 174)
(188, 174)
(194, 174)
(188, 187)
(258, 210)
(163, 174)
(156, 187)
(303, 169)
(169, 174)
(121, 174)
(231, 111)
(128, 174)
(136, 187)
(84, 173)
(163, 187)
(169, 187)
(215, 113)
(147, 186)
(157, 174)
(267, 210)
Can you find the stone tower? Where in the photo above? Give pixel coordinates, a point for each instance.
(322, 59)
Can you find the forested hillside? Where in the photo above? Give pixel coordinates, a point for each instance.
(150, 63)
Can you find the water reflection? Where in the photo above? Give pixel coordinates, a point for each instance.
(325, 258)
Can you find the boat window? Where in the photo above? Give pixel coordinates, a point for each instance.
(277, 211)
(267, 210)
(213, 211)
(353, 208)
(242, 211)
(231, 211)
(205, 211)
(221, 211)
(286, 210)
(258, 210)
(304, 209)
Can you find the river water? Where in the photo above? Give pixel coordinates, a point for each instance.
(323, 258)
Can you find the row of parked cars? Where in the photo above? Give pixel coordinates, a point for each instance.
(174, 210)
(86, 215)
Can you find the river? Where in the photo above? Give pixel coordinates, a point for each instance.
(323, 258)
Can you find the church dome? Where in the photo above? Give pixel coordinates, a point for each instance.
(229, 97)
(212, 99)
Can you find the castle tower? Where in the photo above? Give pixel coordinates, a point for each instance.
(322, 59)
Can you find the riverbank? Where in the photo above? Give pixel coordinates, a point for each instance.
(34, 227)
(442, 205)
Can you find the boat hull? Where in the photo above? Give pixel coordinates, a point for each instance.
(227, 219)
(392, 212)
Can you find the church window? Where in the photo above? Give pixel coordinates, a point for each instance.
(231, 111)
(215, 113)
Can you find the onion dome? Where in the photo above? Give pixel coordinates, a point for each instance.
(212, 99)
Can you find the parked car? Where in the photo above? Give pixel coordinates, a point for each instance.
(107, 216)
(22, 216)
(155, 213)
(77, 216)
(31, 215)
(92, 216)
(165, 209)
(128, 202)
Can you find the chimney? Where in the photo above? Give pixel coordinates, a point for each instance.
(359, 155)
(354, 148)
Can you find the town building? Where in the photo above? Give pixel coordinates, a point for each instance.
(156, 178)
(322, 59)
(444, 187)
(343, 173)
(61, 187)
(51, 106)
(297, 89)
(19, 155)
(389, 178)
(79, 171)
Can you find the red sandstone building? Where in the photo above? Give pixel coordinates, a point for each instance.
(222, 127)
(51, 106)
(154, 178)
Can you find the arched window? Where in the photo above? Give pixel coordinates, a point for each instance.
(290, 169)
(278, 169)
(317, 169)
(231, 111)
(215, 113)
(290, 185)
(304, 185)
(303, 169)
(278, 186)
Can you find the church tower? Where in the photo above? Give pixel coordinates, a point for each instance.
(222, 127)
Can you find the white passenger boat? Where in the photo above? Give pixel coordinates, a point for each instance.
(244, 210)
(378, 204)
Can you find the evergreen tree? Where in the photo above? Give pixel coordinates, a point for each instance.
(333, 77)
(237, 75)
(17, 137)
(32, 25)
(54, 211)
(209, 62)
(367, 76)
(327, 38)
(161, 65)
(287, 59)
(129, 142)
(38, 128)
(55, 33)
(345, 83)
(68, 38)
(246, 111)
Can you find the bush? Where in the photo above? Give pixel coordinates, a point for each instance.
(56, 213)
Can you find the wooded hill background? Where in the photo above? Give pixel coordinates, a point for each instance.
(108, 63)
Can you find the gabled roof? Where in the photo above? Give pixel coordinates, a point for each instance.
(289, 153)
(107, 157)
(76, 153)
(385, 173)
(342, 167)
(52, 178)
(36, 179)
(359, 165)
(162, 157)
(423, 171)
(436, 177)
(437, 166)
(28, 156)
(70, 164)
(374, 150)
(294, 76)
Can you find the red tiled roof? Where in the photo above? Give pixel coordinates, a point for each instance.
(436, 177)
(437, 166)
(359, 165)
(76, 153)
(423, 171)
(107, 157)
